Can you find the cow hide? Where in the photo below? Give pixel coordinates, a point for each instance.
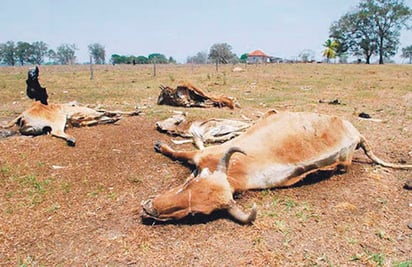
(200, 132)
(188, 95)
(54, 118)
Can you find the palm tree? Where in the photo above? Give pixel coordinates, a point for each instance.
(330, 49)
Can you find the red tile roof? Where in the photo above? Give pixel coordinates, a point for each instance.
(257, 53)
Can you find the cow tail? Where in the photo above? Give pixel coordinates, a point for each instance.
(364, 144)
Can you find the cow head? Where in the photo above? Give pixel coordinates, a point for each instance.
(204, 193)
(34, 89)
(171, 125)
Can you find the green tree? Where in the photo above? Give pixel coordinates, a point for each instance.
(389, 17)
(158, 58)
(98, 53)
(117, 59)
(22, 52)
(142, 60)
(171, 60)
(222, 53)
(356, 34)
(39, 50)
(330, 49)
(372, 28)
(407, 53)
(66, 54)
(199, 58)
(51, 54)
(8, 53)
(243, 58)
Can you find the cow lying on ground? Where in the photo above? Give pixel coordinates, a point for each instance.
(200, 132)
(188, 95)
(53, 118)
(281, 149)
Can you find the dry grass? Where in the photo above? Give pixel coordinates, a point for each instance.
(87, 213)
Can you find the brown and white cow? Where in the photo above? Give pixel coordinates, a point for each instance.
(53, 118)
(279, 150)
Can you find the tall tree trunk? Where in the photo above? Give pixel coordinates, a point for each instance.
(368, 59)
(381, 51)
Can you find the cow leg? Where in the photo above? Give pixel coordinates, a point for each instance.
(174, 154)
(345, 162)
(30, 130)
(57, 130)
(71, 141)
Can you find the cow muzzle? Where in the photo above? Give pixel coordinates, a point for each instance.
(149, 212)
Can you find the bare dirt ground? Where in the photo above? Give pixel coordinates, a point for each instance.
(80, 206)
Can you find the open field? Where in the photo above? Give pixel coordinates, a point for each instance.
(87, 211)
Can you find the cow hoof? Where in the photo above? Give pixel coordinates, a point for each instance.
(71, 142)
(157, 146)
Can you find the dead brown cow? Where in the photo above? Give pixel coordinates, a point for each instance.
(188, 95)
(200, 132)
(52, 118)
(279, 150)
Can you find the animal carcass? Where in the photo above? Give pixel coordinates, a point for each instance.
(188, 95)
(200, 132)
(53, 118)
(279, 150)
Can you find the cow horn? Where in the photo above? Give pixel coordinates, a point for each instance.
(224, 161)
(242, 217)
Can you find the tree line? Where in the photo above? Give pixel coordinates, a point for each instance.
(372, 28)
(152, 58)
(21, 53)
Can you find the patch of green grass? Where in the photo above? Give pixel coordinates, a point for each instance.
(275, 201)
(352, 241)
(99, 189)
(378, 258)
(54, 208)
(30, 188)
(355, 257)
(41, 164)
(289, 204)
(66, 187)
(112, 195)
(305, 212)
(407, 263)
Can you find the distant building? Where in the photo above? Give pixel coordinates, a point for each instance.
(257, 57)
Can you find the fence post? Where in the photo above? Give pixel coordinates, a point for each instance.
(91, 68)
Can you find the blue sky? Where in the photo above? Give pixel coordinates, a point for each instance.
(177, 28)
